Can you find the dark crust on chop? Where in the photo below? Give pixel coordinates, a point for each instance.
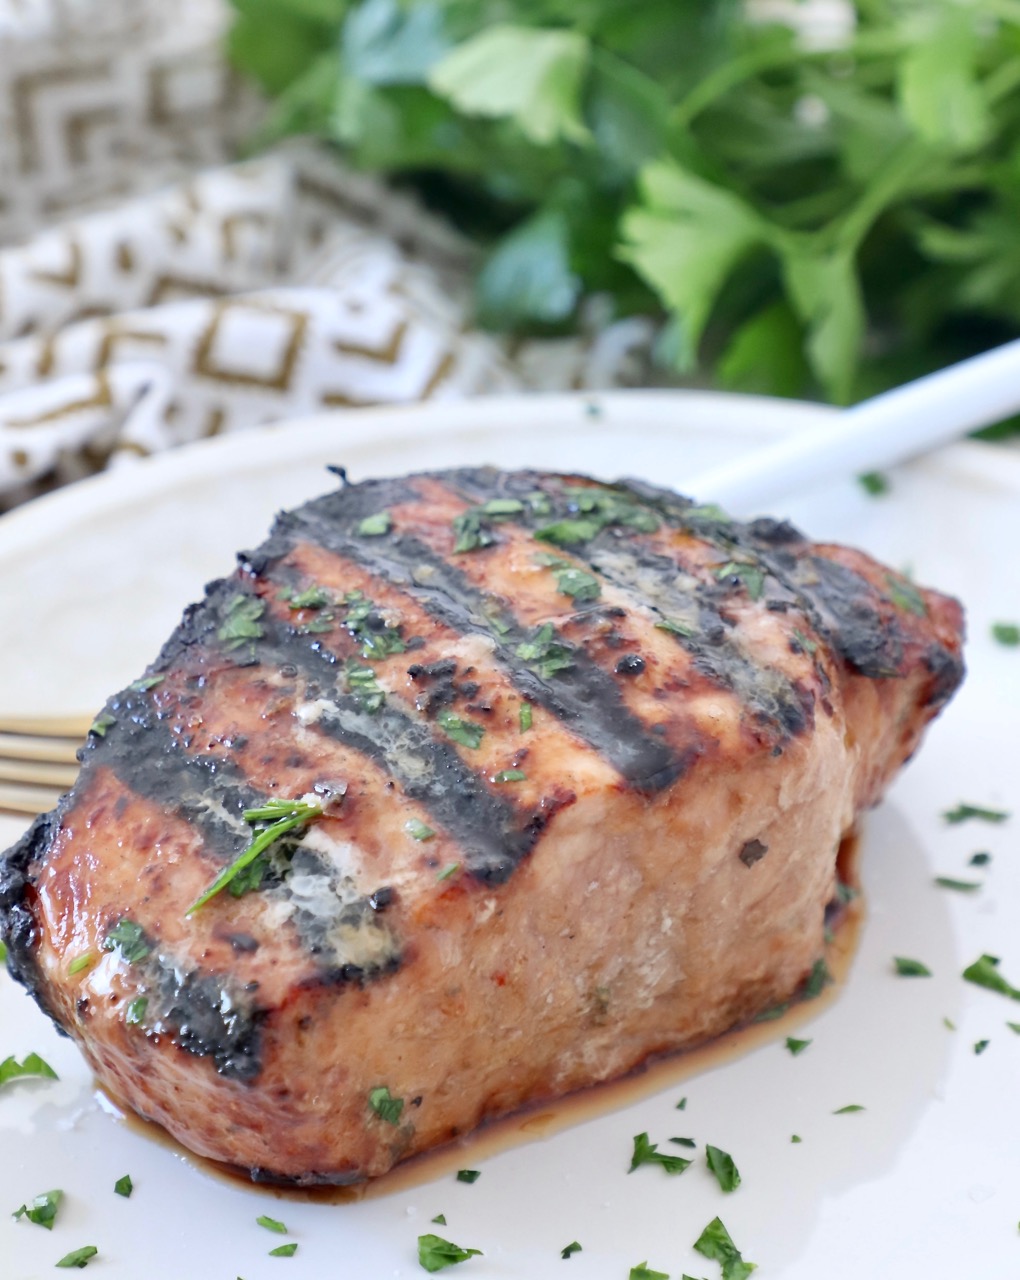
(537, 695)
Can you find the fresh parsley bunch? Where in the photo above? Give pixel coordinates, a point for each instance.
(810, 215)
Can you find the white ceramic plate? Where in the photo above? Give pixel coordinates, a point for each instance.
(924, 1182)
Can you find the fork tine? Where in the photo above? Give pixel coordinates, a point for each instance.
(28, 801)
(17, 746)
(76, 726)
(36, 774)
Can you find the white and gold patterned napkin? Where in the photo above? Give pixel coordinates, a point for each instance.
(139, 313)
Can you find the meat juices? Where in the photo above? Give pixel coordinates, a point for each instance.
(578, 760)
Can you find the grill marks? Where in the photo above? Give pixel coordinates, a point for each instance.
(586, 699)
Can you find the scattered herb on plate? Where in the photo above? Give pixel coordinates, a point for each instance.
(284, 1250)
(468, 1175)
(79, 1258)
(644, 1272)
(43, 1209)
(715, 1242)
(961, 886)
(796, 1046)
(849, 1109)
(435, 1253)
(981, 1046)
(979, 859)
(908, 968)
(984, 972)
(964, 812)
(646, 1152)
(722, 1165)
(124, 1186)
(570, 1249)
(1006, 633)
(272, 1224)
(33, 1066)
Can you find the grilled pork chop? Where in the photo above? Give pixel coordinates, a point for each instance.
(465, 791)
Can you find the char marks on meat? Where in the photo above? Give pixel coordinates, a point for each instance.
(578, 757)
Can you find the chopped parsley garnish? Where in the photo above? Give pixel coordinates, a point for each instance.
(848, 1109)
(101, 723)
(33, 1066)
(272, 1224)
(905, 595)
(961, 886)
(646, 1152)
(818, 979)
(570, 580)
(979, 859)
(715, 1242)
(721, 1164)
(570, 532)
(314, 597)
(128, 938)
(375, 526)
(750, 575)
(526, 717)
(440, 1218)
(546, 652)
(472, 526)
(796, 1046)
(773, 1013)
(284, 1250)
(124, 1186)
(364, 621)
(363, 686)
(1014, 1026)
(3, 951)
(136, 1011)
(417, 829)
(949, 1024)
(805, 642)
(84, 961)
(146, 683)
(572, 1247)
(963, 812)
(795, 1137)
(282, 817)
(449, 870)
(79, 1258)
(643, 1272)
(1006, 633)
(981, 1046)
(510, 775)
(676, 628)
(502, 508)
(43, 1210)
(682, 1105)
(908, 968)
(241, 621)
(874, 483)
(385, 1105)
(466, 732)
(984, 972)
(435, 1253)
(684, 1142)
(468, 1175)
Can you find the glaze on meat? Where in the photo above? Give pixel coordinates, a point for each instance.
(589, 752)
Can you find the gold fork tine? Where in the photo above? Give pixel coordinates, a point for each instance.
(38, 775)
(47, 726)
(16, 746)
(26, 800)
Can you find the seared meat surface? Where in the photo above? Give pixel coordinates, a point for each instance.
(521, 779)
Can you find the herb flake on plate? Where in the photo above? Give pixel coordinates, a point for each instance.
(468, 1175)
(435, 1253)
(284, 1250)
(644, 1272)
(964, 812)
(1006, 634)
(570, 1249)
(960, 886)
(984, 972)
(271, 1224)
(33, 1066)
(908, 968)
(124, 1186)
(646, 1152)
(43, 1209)
(796, 1046)
(715, 1242)
(849, 1109)
(79, 1258)
(722, 1165)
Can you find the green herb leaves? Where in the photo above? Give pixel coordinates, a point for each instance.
(102, 723)
(715, 1242)
(79, 1258)
(124, 1186)
(274, 819)
(646, 1152)
(984, 972)
(965, 812)
(435, 1253)
(907, 968)
(905, 595)
(468, 1175)
(284, 1250)
(129, 940)
(33, 1066)
(363, 687)
(961, 886)
(544, 652)
(466, 732)
(365, 621)
(721, 1164)
(272, 1224)
(1006, 633)
(385, 1105)
(375, 526)
(417, 829)
(796, 1046)
(643, 1272)
(849, 1109)
(749, 575)
(240, 625)
(43, 1209)
(570, 1249)
(571, 581)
